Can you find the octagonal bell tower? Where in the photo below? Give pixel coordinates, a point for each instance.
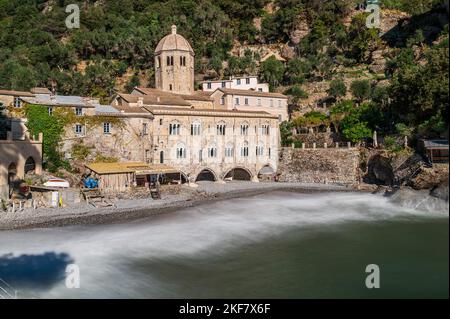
(174, 64)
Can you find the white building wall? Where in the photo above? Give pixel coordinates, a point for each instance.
(192, 164)
(240, 83)
(273, 105)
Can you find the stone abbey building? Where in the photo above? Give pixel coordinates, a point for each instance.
(229, 132)
(198, 132)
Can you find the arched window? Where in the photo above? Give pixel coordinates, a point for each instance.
(181, 151)
(195, 128)
(174, 129)
(158, 63)
(229, 150)
(244, 150)
(212, 152)
(221, 128)
(168, 61)
(260, 150)
(244, 129)
(30, 166)
(182, 60)
(265, 129)
(161, 157)
(171, 60)
(12, 172)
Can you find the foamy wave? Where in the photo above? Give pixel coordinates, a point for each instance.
(101, 250)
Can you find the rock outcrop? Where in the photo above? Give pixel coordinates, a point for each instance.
(380, 171)
(430, 177)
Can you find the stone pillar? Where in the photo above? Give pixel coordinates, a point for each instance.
(406, 141)
(375, 139)
(337, 144)
(293, 145)
(325, 145)
(328, 129)
(314, 145)
(349, 144)
(303, 145)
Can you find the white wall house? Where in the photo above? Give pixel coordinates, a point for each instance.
(253, 101)
(239, 83)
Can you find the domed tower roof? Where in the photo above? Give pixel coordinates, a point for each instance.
(173, 42)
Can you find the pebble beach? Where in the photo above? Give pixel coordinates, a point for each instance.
(129, 209)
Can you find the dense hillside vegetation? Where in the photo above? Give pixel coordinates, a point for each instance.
(114, 49)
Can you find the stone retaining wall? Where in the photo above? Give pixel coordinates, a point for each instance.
(320, 138)
(320, 165)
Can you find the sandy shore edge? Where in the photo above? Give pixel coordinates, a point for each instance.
(201, 196)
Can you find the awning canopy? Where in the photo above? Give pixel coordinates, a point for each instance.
(138, 168)
(436, 144)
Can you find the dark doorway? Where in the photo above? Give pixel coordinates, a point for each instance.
(30, 166)
(206, 175)
(238, 174)
(12, 177)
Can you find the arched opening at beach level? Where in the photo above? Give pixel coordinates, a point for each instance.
(238, 174)
(206, 175)
(267, 173)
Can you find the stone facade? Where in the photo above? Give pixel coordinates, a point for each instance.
(174, 64)
(247, 100)
(320, 138)
(193, 152)
(174, 125)
(125, 139)
(14, 155)
(13, 98)
(321, 165)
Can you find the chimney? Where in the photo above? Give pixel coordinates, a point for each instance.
(140, 101)
(174, 29)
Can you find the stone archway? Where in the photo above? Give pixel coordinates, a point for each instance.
(266, 173)
(30, 166)
(12, 177)
(12, 172)
(206, 175)
(238, 174)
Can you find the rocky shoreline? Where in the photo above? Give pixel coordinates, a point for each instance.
(127, 210)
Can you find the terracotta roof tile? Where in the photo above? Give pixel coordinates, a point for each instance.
(252, 93)
(16, 93)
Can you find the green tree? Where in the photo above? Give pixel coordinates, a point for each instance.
(361, 89)
(296, 71)
(420, 93)
(361, 40)
(297, 94)
(52, 127)
(311, 119)
(215, 63)
(272, 71)
(337, 89)
(286, 133)
(132, 83)
(355, 132)
(339, 111)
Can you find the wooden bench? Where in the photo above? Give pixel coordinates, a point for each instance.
(95, 197)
